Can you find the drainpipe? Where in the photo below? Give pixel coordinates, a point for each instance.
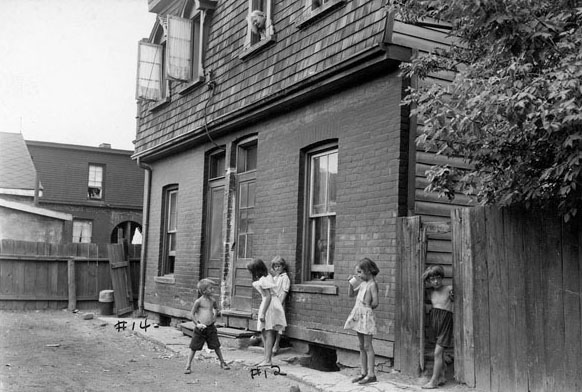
(144, 232)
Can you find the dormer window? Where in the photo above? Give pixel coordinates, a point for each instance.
(316, 9)
(260, 30)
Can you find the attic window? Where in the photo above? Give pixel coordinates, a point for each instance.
(315, 9)
(95, 184)
(260, 30)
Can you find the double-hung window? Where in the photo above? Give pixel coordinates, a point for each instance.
(95, 183)
(321, 211)
(170, 229)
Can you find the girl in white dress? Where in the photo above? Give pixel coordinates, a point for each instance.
(362, 318)
(271, 317)
(280, 269)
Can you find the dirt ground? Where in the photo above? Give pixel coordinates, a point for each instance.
(59, 351)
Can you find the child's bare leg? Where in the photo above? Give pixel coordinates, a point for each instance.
(189, 363)
(370, 356)
(277, 342)
(437, 368)
(222, 363)
(269, 339)
(363, 355)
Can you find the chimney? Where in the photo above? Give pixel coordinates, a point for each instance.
(105, 145)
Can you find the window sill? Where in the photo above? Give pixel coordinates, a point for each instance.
(192, 85)
(315, 288)
(159, 104)
(253, 49)
(318, 12)
(166, 279)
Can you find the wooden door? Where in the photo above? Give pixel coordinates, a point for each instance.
(245, 219)
(214, 237)
(120, 279)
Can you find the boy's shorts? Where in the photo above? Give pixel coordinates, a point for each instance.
(208, 335)
(441, 322)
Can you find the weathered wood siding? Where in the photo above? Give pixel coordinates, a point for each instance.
(297, 57)
(518, 311)
(33, 275)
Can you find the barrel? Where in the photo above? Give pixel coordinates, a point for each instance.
(106, 302)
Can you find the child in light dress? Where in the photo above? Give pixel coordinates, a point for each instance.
(280, 269)
(271, 317)
(362, 318)
(441, 320)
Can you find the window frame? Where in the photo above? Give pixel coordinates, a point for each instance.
(158, 41)
(89, 180)
(245, 174)
(85, 221)
(168, 256)
(251, 46)
(310, 218)
(315, 9)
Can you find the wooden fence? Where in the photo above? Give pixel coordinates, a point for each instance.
(39, 275)
(518, 286)
(419, 244)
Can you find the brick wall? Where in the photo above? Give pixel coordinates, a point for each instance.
(366, 123)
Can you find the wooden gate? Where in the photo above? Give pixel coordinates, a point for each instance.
(120, 278)
(419, 243)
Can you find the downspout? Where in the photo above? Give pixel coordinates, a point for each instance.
(144, 230)
(145, 223)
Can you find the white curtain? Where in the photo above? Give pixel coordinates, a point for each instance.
(179, 48)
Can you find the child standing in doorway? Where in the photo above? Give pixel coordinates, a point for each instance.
(204, 313)
(280, 269)
(441, 320)
(362, 318)
(271, 317)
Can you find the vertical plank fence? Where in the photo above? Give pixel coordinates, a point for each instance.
(518, 308)
(35, 275)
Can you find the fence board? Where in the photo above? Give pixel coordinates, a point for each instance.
(120, 279)
(516, 262)
(409, 288)
(572, 309)
(459, 281)
(480, 298)
(553, 306)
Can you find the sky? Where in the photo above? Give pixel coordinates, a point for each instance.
(68, 68)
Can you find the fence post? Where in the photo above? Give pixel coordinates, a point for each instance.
(72, 284)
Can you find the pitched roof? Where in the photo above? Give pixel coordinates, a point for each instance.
(17, 171)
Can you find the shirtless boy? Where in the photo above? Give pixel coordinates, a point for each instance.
(204, 313)
(441, 319)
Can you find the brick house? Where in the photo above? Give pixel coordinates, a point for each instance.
(278, 135)
(101, 187)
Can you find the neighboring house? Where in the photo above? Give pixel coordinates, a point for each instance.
(20, 217)
(101, 187)
(281, 135)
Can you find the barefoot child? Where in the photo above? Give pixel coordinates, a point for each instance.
(271, 314)
(280, 269)
(204, 314)
(362, 319)
(441, 320)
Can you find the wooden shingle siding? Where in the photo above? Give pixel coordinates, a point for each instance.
(296, 56)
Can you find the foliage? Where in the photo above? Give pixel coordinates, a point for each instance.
(514, 109)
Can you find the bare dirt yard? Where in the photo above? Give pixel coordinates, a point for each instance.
(59, 351)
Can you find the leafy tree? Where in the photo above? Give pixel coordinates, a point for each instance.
(514, 109)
